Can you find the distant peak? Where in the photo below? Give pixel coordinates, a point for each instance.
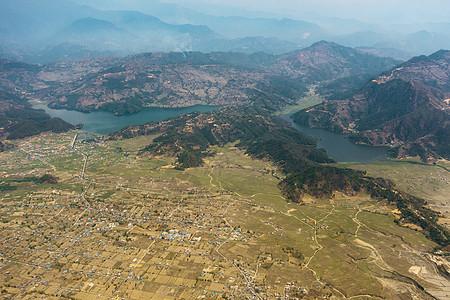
(89, 21)
(441, 54)
(421, 33)
(418, 59)
(324, 43)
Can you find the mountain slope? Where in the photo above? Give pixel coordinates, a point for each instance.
(324, 61)
(18, 119)
(94, 33)
(407, 107)
(124, 85)
(169, 80)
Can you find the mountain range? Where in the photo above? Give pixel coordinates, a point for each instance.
(406, 107)
(48, 30)
(125, 85)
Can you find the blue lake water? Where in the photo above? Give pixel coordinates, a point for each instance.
(102, 122)
(339, 147)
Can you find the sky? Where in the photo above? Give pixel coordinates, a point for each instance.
(374, 11)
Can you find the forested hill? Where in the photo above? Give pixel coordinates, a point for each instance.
(265, 136)
(18, 119)
(407, 107)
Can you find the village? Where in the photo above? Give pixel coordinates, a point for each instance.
(118, 226)
(161, 238)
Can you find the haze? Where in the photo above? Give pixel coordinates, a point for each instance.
(374, 11)
(51, 30)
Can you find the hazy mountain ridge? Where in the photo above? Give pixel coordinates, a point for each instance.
(406, 107)
(118, 32)
(41, 31)
(231, 27)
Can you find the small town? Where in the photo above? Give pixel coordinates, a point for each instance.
(138, 229)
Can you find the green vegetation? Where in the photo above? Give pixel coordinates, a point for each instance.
(413, 210)
(310, 99)
(188, 159)
(129, 105)
(5, 186)
(321, 181)
(232, 209)
(422, 180)
(265, 136)
(46, 178)
(19, 120)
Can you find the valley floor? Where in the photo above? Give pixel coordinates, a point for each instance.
(430, 182)
(118, 225)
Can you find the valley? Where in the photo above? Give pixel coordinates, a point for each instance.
(251, 150)
(404, 108)
(141, 229)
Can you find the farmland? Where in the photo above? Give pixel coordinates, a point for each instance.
(132, 226)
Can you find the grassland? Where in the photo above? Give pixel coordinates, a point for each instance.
(430, 182)
(310, 99)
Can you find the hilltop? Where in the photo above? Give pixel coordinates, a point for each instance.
(324, 61)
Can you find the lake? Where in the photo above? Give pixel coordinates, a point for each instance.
(102, 122)
(339, 147)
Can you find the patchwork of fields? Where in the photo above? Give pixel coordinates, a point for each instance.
(122, 225)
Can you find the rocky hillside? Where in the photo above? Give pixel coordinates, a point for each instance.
(325, 61)
(168, 80)
(125, 85)
(407, 108)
